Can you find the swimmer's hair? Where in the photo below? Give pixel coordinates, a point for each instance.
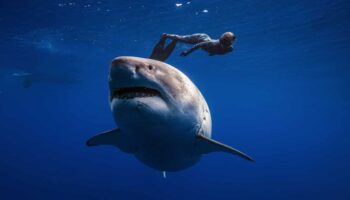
(227, 36)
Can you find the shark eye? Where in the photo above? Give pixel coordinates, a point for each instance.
(150, 67)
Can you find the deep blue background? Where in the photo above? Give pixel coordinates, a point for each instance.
(283, 97)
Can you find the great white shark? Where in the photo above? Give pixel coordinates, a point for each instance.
(162, 117)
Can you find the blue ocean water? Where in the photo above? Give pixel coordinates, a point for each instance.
(282, 96)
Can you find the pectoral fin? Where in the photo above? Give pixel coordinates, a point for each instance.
(208, 145)
(105, 138)
(113, 137)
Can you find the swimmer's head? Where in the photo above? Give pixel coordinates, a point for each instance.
(227, 39)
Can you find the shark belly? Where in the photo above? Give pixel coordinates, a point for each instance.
(165, 153)
(165, 143)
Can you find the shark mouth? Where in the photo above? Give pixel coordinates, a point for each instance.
(135, 92)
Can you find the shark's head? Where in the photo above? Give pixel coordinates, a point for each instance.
(149, 88)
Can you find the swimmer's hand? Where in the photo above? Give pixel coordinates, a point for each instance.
(184, 53)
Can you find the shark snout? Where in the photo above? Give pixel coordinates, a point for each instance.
(126, 67)
(127, 62)
(131, 76)
(123, 68)
(119, 61)
(122, 63)
(133, 63)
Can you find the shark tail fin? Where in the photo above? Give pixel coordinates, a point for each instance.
(208, 145)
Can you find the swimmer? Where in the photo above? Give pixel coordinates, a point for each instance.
(203, 41)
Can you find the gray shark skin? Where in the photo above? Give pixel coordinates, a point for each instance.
(163, 118)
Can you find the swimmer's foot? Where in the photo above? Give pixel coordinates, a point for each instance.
(184, 53)
(165, 35)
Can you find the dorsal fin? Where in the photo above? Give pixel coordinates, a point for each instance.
(208, 145)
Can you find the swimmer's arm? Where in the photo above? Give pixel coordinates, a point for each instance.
(195, 47)
(224, 52)
(230, 49)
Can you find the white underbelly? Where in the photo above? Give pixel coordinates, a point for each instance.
(166, 145)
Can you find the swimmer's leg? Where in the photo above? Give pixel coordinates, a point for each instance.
(158, 49)
(189, 39)
(168, 50)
